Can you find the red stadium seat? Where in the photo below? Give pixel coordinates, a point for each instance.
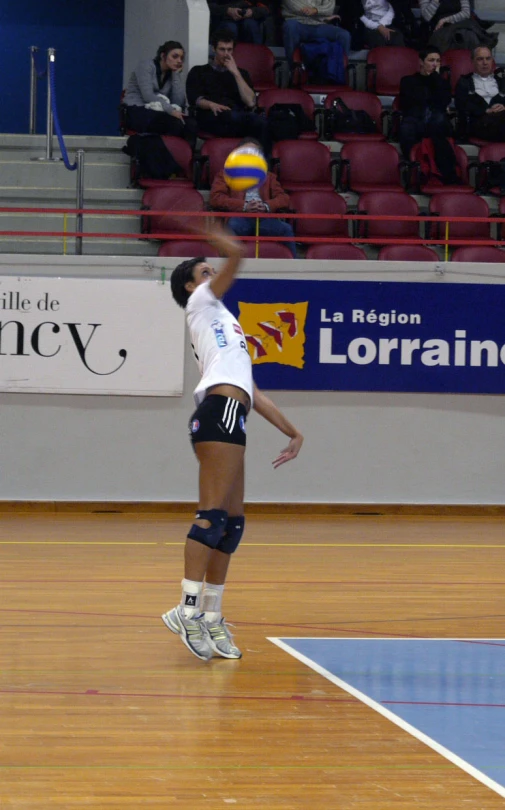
(181, 152)
(187, 247)
(303, 165)
(386, 66)
(268, 98)
(390, 203)
(435, 186)
(338, 252)
(301, 79)
(212, 157)
(455, 63)
(484, 253)
(267, 250)
(259, 62)
(319, 202)
(489, 154)
(371, 166)
(407, 253)
(357, 100)
(171, 198)
(451, 204)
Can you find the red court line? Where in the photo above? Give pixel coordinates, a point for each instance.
(97, 693)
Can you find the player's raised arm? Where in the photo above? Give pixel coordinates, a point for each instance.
(233, 251)
(269, 411)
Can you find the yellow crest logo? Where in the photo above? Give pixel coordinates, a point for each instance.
(275, 333)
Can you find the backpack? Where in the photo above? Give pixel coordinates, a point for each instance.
(342, 119)
(437, 160)
(324, 62)
(151, 157)
(287, 121)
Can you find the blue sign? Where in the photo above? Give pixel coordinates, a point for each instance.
(373, 336)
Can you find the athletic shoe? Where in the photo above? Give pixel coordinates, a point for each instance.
(193, 632)
(221, 640)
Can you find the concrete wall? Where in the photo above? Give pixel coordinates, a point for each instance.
(360, 447)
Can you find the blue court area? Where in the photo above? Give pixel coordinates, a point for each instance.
(448, 693)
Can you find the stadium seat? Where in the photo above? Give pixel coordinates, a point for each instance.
(171, 198)
(338, 252)
(484, 253)
(450, 204)
(187, 247)
(434, 186)
(489, 154)
(259, 62)
(300, 77)
(386, 66)
(407, 253)
(388, 203)
(371, 166)
(212, 157)
(356, 100)
(181, 152)
(454, 63)
(319, 202)
(268, 98)
(303, 165)
(267, 250)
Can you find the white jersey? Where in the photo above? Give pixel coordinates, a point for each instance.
(218, 344)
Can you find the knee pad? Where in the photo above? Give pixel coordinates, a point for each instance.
(232, 535)
(211, 536)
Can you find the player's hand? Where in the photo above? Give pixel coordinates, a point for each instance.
(290, 452)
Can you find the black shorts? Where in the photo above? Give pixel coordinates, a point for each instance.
(218, 419)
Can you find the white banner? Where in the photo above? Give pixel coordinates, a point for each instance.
(90, 336)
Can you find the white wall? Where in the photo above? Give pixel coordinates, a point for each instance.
(360, 447)
(150, 23)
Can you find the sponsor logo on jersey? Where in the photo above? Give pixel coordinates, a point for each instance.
(275, 333)
(218, 328)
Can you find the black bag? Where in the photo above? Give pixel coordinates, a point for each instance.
(341, 119)
(495, 174)
(287, 121)
(153, 159)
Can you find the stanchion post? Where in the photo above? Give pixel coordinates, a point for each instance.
(79, 200)
(33, 90)
(49, 113)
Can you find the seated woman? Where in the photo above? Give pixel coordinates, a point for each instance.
(449, 24)
(155, 97)
(424, 99)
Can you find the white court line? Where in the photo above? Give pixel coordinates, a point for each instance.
(419, 735)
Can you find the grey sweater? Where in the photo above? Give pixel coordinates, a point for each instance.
(292, 10)
(143, 87)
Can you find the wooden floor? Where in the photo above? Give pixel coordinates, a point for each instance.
(102, 708)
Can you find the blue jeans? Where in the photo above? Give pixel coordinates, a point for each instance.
(295, 32)
(246, 226)
(243, 30)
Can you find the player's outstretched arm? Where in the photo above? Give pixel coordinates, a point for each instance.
(233, 250)
(269, 411)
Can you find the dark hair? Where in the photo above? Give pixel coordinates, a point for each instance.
(222, 35)
(254, 142)
(424, 52)
(170, 45)
(180, 277)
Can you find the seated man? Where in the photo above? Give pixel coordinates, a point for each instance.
(480, 98)
(246, 19)
(268, 198)
(224, 96)
(374, 23)
(424, 98)
(311, 21)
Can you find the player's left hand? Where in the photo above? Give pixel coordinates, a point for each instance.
(290, 452)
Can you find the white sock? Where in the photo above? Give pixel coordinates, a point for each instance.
(191, 597)
(211, 602)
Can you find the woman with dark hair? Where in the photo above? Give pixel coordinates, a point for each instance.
(223, 397)
(155, 96)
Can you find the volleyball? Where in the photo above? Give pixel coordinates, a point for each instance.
(245, 168)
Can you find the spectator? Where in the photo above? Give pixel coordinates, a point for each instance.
(424, 98)
(449, 24)
(306, 21)
(377, 19)
(480, 98)
(155, 97)
(268, 198)
(248, 20)
(224, 96)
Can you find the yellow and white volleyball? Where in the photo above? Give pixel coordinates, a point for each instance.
(245, 168)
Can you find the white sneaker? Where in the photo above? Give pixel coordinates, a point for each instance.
(221, 640)
(193, 632)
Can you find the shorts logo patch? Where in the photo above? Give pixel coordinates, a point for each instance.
(218, 328)
(195, 425)
(241, 422)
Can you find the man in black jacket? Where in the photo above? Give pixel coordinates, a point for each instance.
(480, 99)
(224, 96)
(424, 98)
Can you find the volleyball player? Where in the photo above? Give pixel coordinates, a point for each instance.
(223, 397)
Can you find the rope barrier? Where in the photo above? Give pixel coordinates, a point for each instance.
(70, 166)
